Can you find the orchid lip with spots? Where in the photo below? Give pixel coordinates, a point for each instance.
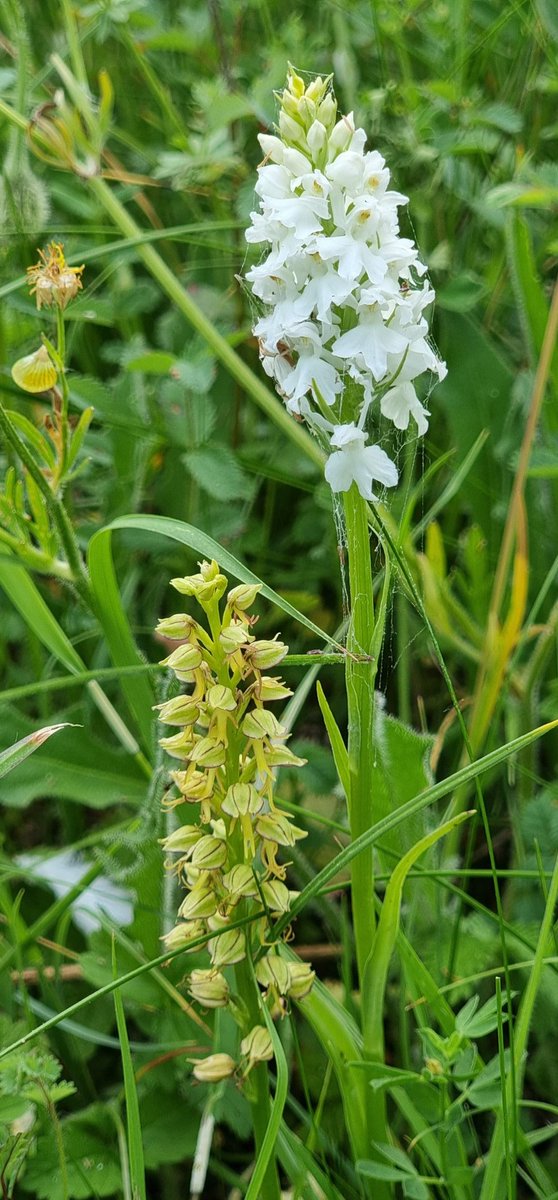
(343, 296)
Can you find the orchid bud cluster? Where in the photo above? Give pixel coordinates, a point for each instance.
(342, 332)
(228, 745)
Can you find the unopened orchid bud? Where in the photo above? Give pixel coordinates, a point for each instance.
(260, 723)
(317, 139)
(193, 784)
(273, 972)
(272, 147)
(243, 596)
(234, 638)
(228, 948)
(257, 1046)
(182, 934)
(179, 744)
(178, 711)
(214, 1068)
(35, 372)
(181, 839)
(290, 129)
(240, 882)
(327, 112)
(209, 988)
(241, 799)
(220, 697)
(265, 654)
(177, 627)
(208, 585)
(208, 752)
(200, 903)
(301, 979)
(277, 896)
(209, 853)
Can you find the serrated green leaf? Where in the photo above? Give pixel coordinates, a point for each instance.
(217, 471)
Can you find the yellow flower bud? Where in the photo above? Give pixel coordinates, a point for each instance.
(214, 1068)
(208, 585)
(181, 839)
(178, 626)
(35, 372)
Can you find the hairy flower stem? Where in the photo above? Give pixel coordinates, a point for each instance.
(360, 678)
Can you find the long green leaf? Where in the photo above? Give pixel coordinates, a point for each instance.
(201, 543)
(338, 747)
(21, 750)
(133, 1121)
(377, 965)
(426, 798)
(25, 596)
(272, 1133)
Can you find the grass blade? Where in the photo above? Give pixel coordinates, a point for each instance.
(278, 1104)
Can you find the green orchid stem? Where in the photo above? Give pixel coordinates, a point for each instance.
(54, 505)
(61, 347)
(215, 340)
(260, 1101)
(360, 678)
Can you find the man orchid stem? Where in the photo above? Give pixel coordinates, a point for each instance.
(343, 333)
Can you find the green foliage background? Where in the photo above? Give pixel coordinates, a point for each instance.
(461, 100)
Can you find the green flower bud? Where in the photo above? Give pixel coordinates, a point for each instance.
(208, 585)
(269, 688)
(265, 654)
(243, 596)
(178, 711)
(277, 896)
(201, 902)
(257, 1046)
(209, 853)
(228, 948)
(214, 1068)
(239, 882)
(327, 112)
(209, 988)
(182, 934)
(207, 752)
(221, 698)
(185, 658)
(277, 827)
(272, 972)
(234, 638)
(179, 744)
(182, 839)
(178, 627)
(260, 723)
(301, 980)
(242, 799)
(194, 785)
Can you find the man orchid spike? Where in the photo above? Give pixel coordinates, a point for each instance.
(343, 295)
